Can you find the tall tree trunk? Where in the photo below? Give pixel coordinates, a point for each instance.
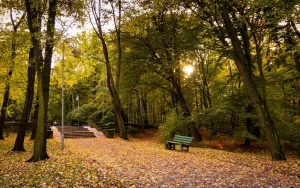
(15, 27)
(19, 143)
(49, 51)
(35, 117)
(261, 108)
(48, 61)
(117, 23)
(145, 108)
(5, 103)
(250, 125)
(7, 83)
(34, 16)
(96, 7)
(206, 95)
(186, 112)
(139, 111)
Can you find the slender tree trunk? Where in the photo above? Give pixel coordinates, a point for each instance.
(139, 110)
(47, 62)
(117, 22)
(116, 101)
(186, 112)
(145, 108)
(250, 125)
(49, 51)
(19, 143)
(96, 7)
(242, 63)
(4, 106)
(35, 117)
(7, 85)
(9, 74)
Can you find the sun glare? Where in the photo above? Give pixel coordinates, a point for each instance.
(188, 70)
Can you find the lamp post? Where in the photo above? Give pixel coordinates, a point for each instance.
(62, 98)
(77, 99)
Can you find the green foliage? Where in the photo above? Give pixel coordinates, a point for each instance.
(133, 130)
(87, 112)
(108, 118)
(242, 133)
(290, 131)
(215, 119)
(175, 125)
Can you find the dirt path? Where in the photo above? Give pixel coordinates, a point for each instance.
(144, 163)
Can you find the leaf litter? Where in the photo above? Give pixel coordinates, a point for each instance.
(103, 162)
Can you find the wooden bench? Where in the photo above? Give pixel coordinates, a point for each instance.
(183, 141)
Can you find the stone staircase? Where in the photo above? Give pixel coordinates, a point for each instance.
(76, 132)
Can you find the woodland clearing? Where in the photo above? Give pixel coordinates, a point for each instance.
(141, 162)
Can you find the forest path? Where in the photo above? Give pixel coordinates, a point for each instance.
(145, 163)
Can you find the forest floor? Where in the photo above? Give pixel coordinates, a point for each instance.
(142, 162)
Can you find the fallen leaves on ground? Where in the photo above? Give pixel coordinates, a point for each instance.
(102, 162)
(64, 168)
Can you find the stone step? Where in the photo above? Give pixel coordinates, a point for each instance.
(76, 132)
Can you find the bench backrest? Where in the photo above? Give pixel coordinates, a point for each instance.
(183, 139)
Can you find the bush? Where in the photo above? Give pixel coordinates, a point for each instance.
(87, 113)
(175, 125)
(109, 133)
(133, 130)
(215, 119)
(108, 118)
(290, 132)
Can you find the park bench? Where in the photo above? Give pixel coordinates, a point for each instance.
(183, 141)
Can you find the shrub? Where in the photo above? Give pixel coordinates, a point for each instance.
(108, 118)
(290, 132)
(87, 113)
(174, 125)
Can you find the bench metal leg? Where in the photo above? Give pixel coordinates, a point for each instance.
(182, 146)
(170, 146)
(166, 145)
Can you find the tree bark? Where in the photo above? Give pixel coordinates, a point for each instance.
(4, 104)
(184, 107)
(7, 82)
(250, 126)
(34, 16)
(10, 71)
(110, 80)
(19, 143)
(49, 51)
(35, 117)
(260, 106)
(52, 7)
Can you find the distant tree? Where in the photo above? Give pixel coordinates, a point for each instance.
(160, 40)
(236, 35)
(19, 143)
(112, 85)
(15, 25)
